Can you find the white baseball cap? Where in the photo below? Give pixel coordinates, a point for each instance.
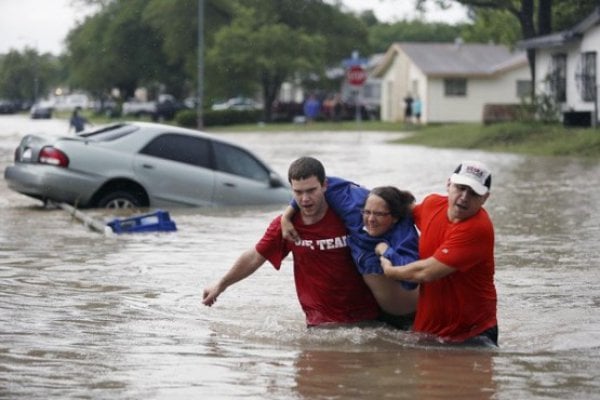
(473, 174)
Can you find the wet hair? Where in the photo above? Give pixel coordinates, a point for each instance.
(304, 168)
(398, 201)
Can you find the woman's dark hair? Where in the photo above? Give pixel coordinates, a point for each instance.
(398, 201)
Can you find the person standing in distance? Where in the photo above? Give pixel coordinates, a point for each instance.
(455, 270)
(77, 121)
(329, 288)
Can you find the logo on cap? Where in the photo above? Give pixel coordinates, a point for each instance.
(473, 174)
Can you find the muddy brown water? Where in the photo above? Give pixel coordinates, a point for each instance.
(88, 316)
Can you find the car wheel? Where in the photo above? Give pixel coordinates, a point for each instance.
(120, 200)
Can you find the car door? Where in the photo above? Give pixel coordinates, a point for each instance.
(242, 179)
(175, 169)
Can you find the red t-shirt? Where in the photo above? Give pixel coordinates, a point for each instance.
(463, 304)
(329, 287)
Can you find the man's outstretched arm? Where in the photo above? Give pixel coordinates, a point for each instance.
(246, 264)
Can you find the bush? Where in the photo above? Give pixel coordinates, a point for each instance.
(188, 118)
(496, 113)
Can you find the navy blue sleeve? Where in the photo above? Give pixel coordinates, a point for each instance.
(347, 200)
(403, 246)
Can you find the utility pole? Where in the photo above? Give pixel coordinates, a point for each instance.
(595, 116)
(200, 89)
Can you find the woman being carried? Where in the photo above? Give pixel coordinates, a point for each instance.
(380, 217)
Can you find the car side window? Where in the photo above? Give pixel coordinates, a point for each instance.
(236, 161)
(182, 148)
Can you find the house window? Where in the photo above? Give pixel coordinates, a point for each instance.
(455, 87)
(586, 76)
(523, 88)
(557, 77)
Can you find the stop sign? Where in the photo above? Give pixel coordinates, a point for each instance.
(356, 75)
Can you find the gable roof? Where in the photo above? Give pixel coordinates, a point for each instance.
(563, 37)
(454, 59)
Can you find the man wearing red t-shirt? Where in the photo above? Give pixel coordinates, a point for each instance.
(329, 288)
(457, 298)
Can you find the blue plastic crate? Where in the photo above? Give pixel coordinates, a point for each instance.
(157, 221)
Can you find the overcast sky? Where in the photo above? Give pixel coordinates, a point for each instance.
(43, 24)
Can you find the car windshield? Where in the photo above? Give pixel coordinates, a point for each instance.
(110, 132)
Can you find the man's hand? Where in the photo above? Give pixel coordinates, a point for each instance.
(386, 265)
(209, 297)
(288, 231)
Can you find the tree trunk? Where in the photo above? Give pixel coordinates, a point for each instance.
(544, 28)
(528, 31)
(271, 85)
(544, 17)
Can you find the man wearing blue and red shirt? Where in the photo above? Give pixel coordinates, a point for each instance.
(329, 288)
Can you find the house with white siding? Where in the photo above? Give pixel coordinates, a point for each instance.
(566, 68)
(454, 81)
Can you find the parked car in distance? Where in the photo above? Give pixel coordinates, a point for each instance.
(7, 107)
(42, 110)
(237, 103)
(165, 107)
(138, 164)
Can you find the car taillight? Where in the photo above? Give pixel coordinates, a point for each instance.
(52, 156)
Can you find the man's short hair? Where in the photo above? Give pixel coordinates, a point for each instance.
(304, 168)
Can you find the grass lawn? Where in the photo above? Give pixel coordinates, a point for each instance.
(515, 137)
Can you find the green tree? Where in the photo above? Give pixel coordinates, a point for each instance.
(87, 56)
(567, 13)
(257, 50)
(135, 43)
(27, 75)
(116, 48)
(369, 18)
(177, 25)
(497, 26)
(154, 43)
(381, 36)
(343, 32)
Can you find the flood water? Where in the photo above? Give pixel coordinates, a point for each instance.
(84, 316)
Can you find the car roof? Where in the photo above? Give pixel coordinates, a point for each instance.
(153, 129)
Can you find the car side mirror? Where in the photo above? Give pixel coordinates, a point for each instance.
(275, 180)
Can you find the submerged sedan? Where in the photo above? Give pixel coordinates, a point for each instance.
(130, 165)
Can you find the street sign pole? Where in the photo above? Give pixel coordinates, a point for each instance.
(357, 103)
(356, 76)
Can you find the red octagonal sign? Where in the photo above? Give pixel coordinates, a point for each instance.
(356, 75)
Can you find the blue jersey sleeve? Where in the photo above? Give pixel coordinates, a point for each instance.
(403, 246)
(347, 199)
